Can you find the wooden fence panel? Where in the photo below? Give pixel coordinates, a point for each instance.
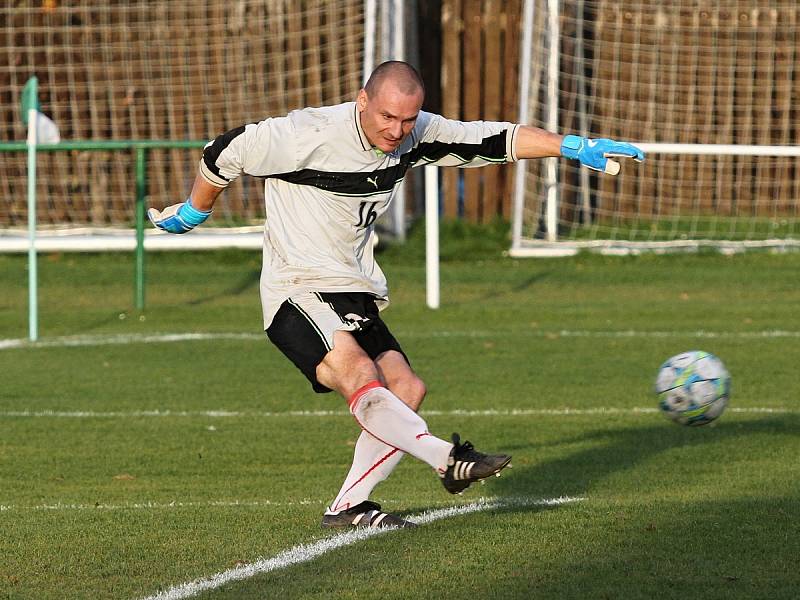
(510, 23)
(725, 88)
(764, 75)
(480, 49)
(646, 97)
(604, 90)
(785, 57)
(626, 83)
(472, 69)
(452, 26)
(685, 102)
(704, 102)
(294, 59)
(492, 64)
(794, 118)
(313, 56)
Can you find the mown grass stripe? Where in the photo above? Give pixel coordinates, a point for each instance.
(161, 338)
(308, 552)
(218, 414)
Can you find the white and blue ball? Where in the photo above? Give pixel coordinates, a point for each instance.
(693, 388)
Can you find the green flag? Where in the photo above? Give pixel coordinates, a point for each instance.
(30, 98)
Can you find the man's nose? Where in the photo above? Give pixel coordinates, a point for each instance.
(396, 130)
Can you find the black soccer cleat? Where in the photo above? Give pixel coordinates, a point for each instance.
(365, 514)
(466, 465)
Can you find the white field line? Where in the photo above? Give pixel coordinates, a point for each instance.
(159, 338)
(123, 339)
(64, 506)
(307, 552)
(222, 414)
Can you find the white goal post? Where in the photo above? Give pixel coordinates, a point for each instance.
(713, 83)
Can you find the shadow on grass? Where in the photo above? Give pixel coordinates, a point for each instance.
(724, 547)
(612, 450)
(503, 291)
(663, 547)
(732, 549)
(247, 283)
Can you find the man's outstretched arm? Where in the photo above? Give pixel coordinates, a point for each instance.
(597, 154)
(183, 217)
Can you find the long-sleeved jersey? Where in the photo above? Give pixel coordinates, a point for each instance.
(325, 186)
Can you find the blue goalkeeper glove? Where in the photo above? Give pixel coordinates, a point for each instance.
(178, 218)
(595, 153)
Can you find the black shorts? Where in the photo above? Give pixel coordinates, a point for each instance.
(304, 325)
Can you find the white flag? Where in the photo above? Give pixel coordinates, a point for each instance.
(46, 130)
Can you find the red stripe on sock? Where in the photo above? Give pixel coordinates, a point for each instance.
(353, 400)
(360, 424)
(360, 479)
(421, 435)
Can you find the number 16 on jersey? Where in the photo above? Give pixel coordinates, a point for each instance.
(366, 214)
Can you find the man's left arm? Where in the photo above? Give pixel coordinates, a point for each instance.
(597, 154)
(450, 143)
(256, 148)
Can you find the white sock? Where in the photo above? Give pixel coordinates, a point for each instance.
(391, 421)
(373, 461)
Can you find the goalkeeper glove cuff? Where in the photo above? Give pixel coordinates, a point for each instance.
(191, 215)
(571, 146)
(178, 218)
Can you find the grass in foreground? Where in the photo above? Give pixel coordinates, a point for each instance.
(114, 502)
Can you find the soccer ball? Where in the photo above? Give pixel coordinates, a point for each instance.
(693, 388)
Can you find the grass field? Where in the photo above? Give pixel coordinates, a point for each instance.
(674, 228)
(131, 462)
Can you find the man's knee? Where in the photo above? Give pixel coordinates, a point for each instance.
(346, 367)
(399, 377)
(410, 389)
(417, 392)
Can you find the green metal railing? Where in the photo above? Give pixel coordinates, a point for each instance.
(140, 149)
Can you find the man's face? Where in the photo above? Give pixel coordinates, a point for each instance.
(389, 116)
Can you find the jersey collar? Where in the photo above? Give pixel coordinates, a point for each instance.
(362, 137)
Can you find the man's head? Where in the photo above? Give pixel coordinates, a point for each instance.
(389, 104)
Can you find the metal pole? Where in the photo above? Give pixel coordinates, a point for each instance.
(369, 38)
(432, 236)
(655, 147)
(580, 68)
(386, 30)
(524, 93)
(399, 30)
(551, 172)
(398, 52)
(33, 297)
(141, 196)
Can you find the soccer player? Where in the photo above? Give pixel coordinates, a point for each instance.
(329, 173)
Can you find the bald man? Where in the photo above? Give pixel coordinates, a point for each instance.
(329, 173)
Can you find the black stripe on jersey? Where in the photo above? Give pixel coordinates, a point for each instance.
(212, 152)
(492, 149)
(366, 183)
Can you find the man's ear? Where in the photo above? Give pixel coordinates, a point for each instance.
(361, 100)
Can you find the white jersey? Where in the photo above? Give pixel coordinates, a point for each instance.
(325, 186)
